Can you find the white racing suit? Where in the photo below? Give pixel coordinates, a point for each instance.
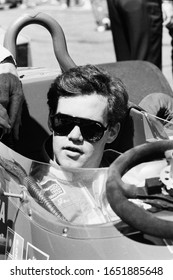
(78, 193)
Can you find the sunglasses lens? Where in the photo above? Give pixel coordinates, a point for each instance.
(61, 126)
(92, 133)
(62, 130)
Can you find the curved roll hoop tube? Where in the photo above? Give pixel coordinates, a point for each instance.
(57, 34)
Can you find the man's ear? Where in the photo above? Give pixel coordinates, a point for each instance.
(113, 133)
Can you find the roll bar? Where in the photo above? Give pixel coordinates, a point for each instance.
(57, 34)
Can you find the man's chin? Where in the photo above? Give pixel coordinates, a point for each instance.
(80, 162)
(70, 163)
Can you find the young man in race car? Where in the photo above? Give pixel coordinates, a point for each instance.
(86, 109)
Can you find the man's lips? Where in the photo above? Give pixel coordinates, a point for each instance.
(73, 149)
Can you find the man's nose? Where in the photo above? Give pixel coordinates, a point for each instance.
(75, 134)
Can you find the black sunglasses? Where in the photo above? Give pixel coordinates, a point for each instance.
(92, 131)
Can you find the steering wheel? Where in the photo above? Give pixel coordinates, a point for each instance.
(118, 192)
(57, 34)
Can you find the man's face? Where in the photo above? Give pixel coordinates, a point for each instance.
(73, 150)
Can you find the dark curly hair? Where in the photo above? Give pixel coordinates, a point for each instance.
(86, 80)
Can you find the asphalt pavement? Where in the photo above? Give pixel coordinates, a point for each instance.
(85, 44)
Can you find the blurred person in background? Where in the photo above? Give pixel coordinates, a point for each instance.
(137, 29)
(76, 2)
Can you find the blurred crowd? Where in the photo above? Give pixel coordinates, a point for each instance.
(99, 8)
(33, 3)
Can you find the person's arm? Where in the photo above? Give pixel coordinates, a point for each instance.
(11, 93)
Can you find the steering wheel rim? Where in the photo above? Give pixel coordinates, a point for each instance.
(118, 192)
(57, 34)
